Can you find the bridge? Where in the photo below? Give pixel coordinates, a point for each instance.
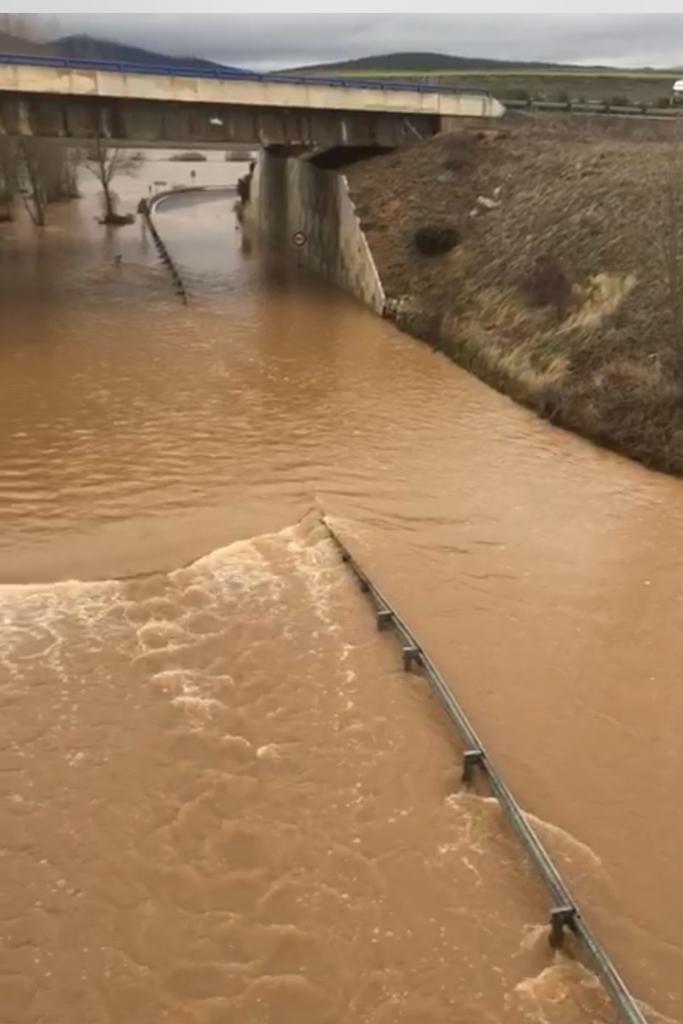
(143, 105)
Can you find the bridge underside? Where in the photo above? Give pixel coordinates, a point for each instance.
(140, 122)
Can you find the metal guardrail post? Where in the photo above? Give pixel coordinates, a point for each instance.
(564, 913)
(146, 209)
(561, 918)
(471, 759)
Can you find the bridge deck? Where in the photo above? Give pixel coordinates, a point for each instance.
(126, 80)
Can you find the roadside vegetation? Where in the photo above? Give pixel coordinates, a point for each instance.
(36, 173)
(514, 82)
(548, 259)
(105, 163)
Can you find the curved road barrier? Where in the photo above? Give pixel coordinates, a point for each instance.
(146, 208)
(565, 913)
(155, 201)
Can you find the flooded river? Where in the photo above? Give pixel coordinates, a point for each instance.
(220, 799)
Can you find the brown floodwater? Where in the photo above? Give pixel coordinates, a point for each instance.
(220, 799)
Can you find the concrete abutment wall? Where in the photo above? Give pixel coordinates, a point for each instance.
(293, 201)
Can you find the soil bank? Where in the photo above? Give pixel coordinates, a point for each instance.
(564, 288)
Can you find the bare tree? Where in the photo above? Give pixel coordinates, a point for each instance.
(105, 164)
(36, 194)
(9, 163)
(73, 159)
(50, 171)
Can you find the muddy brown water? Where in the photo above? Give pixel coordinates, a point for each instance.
(220, 799)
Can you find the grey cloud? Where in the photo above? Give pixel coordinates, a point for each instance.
(280, 40)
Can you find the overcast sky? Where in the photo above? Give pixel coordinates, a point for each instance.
(266, 40)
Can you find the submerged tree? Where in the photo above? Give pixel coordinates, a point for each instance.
(36, 193)
(49, 170)
(9, 177)
(105, 164)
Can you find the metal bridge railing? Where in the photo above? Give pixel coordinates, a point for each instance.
(231, 74)
(565, 913)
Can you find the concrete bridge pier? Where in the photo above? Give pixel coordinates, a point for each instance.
(305, 212)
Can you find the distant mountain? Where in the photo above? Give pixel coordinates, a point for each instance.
(405, 63)
(89, 48)
(15, 45)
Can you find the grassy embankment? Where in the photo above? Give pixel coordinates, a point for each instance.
(564, 288)
(620, 87)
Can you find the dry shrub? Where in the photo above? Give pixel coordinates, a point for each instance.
(461, 152)
(506, 343)
(548, 285)
(599, 297)
(436, 239)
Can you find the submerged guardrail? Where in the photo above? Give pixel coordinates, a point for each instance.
(565, 913)
(146, 208)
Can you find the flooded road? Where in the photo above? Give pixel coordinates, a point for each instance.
(221, 800)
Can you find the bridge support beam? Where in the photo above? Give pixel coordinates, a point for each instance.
(142, 122)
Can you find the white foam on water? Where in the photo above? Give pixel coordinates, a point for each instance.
(40, 623)
(237, 743)
(193, 691)
(476, 818)
(269, 752)
(196, 704)
(237, 567)
(534, 936)
(316, 562)
(559, 982)
(62, 588)
(654, 1016)
(160, 633)
(571, 849)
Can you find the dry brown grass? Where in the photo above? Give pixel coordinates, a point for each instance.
(569, 295)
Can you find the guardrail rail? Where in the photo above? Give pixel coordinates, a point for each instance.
(565, 913)
(231, 74)
(146, 209)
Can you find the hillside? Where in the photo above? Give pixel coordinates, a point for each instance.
(82, 47)
(515, 80)
(561, 284)
(425, 63)
(90, 48)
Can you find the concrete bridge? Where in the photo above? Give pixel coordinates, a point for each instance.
(142, 105)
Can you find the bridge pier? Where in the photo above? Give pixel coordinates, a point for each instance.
(306, 212)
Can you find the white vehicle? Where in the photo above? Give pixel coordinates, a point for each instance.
(677, 91)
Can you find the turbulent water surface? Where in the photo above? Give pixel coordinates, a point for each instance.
(220, 798)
